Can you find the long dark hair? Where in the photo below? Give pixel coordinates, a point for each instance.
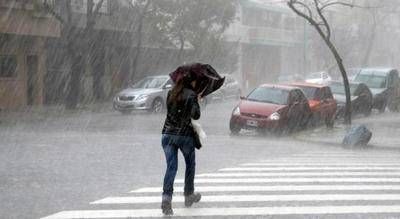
(176, 92)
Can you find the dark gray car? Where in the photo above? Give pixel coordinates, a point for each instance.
(148, 94)
(384, 85)
(361, 98)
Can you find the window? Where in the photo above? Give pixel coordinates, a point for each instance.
(8, 66)
(295, 96)
(326, 94)
(310, 92)
(269, 95)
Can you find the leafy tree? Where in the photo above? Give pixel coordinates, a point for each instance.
(198, 25)
(76, 50)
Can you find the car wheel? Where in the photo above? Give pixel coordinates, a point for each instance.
(330, 122)
(393, 106)
(234, 128)
(157, 106)
(313, 121)
(383, 107)
(368, 111)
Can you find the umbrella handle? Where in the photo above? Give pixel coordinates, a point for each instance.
(201, 93)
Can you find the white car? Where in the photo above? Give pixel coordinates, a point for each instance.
(230, 89)
(148, 94)
(321, 77)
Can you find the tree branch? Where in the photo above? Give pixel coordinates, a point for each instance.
(340, 3)
(321, 15)
(303, 5)
(98, 6)
(291, 4)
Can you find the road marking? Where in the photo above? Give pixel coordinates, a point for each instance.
(329, 160)
(290, 180)
(322, 164)
(274, 188)
(342, 156)
(316, 174)
(305, 169)
(308, 168)
(256, 198)
(191, 212)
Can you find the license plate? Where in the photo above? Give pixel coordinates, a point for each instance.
(252, 123)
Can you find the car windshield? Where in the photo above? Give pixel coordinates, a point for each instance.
(309, 92)
(372, 80)
(269, 95)
(338, 88)
(314, 75)
(150, 82)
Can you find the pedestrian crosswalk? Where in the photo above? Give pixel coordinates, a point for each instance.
(312, 184)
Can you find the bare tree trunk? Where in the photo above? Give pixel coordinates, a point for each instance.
(326, 37)
(139, 40)
(95, 50)
(73, 56)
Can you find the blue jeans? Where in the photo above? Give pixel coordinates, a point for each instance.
(171, 144)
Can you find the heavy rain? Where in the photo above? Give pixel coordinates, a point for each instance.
(298, 101)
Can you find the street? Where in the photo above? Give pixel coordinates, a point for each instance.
(61, 164)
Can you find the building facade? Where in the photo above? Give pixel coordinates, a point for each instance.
(33, 65)
(270, 42)
(24, 30)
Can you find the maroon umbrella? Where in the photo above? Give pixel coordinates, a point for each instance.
(208, 80)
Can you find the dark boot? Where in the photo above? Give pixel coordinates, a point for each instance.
(193, 198)
(166, 205)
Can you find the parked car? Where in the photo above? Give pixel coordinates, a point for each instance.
(322, 104)
(318, 77)
(148, 94)
(384, 85)
(271, 108)
(230, 89)
(361, 98)
(352, 73)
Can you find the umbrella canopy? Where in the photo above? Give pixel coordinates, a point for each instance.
(208, 80)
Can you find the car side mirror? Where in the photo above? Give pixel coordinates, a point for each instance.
(242, 97)
(168, 86)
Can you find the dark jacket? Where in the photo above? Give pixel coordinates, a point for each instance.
(179, 115)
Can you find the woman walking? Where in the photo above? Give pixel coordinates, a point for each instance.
(178, 134)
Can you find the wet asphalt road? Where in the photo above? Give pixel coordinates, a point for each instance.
(63, 161)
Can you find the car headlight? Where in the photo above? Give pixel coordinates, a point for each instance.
(142, 97)
(275, 116)
(236, 111)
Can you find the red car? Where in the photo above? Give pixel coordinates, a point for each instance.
(273, 108)
(322, 103)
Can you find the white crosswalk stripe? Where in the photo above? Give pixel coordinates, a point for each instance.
(277, 188)
(281, 186)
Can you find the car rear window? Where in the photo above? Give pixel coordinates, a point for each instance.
(372, 80)
(269, 95)
(338, 88)
(309, 92)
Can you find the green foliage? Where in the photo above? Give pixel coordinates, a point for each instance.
(192, 25)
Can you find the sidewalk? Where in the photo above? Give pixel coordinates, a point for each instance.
(40, 113)
(385, 130)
